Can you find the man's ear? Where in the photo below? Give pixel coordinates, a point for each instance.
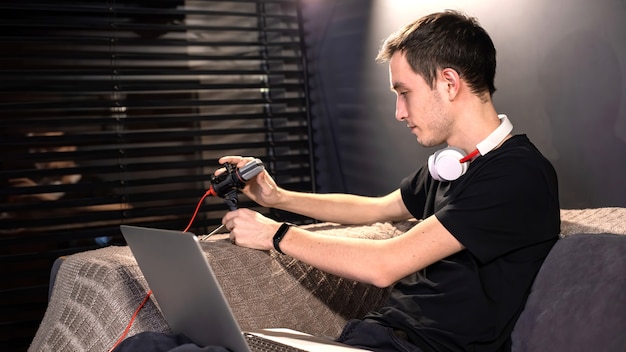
(451, 81)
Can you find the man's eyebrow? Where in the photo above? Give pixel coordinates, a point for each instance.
(397, 85)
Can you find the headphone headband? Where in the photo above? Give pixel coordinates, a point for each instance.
(496, 137)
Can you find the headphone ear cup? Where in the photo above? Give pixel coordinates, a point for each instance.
(444, 165)
(432, 168)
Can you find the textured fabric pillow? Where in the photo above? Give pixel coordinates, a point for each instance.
(578, 300)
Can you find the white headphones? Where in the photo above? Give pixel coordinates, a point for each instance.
(450, 163)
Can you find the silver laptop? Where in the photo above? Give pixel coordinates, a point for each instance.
(191, 300)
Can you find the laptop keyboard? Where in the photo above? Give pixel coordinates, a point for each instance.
(260, 344)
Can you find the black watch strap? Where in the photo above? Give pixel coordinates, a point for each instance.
(278, 236)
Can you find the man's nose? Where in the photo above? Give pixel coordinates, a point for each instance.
(401, 113)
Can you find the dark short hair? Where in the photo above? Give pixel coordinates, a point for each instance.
(448, 39)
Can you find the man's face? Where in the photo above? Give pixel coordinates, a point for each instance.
(417, 104)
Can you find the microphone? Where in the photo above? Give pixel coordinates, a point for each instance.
(227, 183)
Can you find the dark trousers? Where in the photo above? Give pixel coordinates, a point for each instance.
(375, 337)
(161, 342)
(356, 333)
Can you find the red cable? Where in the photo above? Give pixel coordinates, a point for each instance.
(469, 156)
(210, 192)
(132, 320)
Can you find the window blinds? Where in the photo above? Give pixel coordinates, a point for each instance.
(117, 111)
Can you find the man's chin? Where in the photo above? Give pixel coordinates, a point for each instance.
(422, 141)
(426, 143)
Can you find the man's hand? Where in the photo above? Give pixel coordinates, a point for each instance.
(262, 188)
(250, 229)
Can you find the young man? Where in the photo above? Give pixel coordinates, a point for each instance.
(489, 205)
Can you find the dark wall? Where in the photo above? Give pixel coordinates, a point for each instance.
(560, 79)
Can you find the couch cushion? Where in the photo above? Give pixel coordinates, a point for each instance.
(578, 300)
(96, 292)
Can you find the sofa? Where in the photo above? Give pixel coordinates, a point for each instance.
(577, 302)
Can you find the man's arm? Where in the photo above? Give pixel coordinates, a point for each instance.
(377, 262)
(344, 208)
(339, 208)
